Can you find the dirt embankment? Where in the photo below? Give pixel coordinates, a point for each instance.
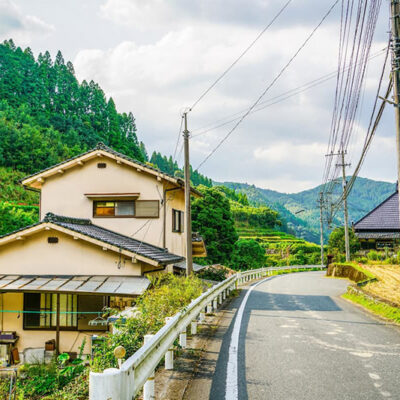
(387, 285)
(346, 271)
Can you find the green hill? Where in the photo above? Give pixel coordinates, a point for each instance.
(366, 195)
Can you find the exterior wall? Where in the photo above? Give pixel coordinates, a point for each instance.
(63, 194)
(69, 340)
(175, 241)
(34, 256)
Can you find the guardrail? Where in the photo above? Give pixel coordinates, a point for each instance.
(137, 371)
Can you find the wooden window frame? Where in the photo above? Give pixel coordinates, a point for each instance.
(113, 216)
(125, 216)
(181, 221)
(53, 328)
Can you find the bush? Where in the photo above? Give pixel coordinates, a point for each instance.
(169, 294)
(213, 274)
(248, 254)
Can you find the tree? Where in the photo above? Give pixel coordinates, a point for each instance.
(336, 242)
(248, 254)
(212, 218)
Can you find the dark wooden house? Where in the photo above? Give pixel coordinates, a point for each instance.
(380, 228)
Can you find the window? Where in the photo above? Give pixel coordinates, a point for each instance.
(147, 208)
(113, 208)
(127, 208)
(43, 307)
(177, 221)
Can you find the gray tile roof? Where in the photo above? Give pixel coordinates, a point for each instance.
(385, 217)
(196, 267)
(87, 228)
(377, 235)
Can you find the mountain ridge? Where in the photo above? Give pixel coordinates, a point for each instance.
(300, 209)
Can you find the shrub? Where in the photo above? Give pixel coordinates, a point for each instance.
(169, 294)
(248, 254)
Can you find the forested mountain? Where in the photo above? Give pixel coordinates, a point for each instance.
(365, 195)
(46, 116)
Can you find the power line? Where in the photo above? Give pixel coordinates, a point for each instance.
(240, 56)
(269, 86)
(179, 136)
(273, 100)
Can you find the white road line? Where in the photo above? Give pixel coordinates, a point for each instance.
(231, 388)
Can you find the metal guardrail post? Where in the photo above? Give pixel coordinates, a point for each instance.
(169, 355)
(202, 317)
(149, 387)
(193, 327)
(215, 304)
(209, 308)
(182, 339)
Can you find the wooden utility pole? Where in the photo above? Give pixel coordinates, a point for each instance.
(58, 324)
(345, 209)
(188, 216)
(395, 47)
(321, 201)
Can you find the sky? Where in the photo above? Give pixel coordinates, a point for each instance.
(156, 57)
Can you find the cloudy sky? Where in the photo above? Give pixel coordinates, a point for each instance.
(156, 57)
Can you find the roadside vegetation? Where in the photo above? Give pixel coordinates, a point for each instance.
(382, 309)
(65, 380)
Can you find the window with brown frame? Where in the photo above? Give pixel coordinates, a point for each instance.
(126, 208)
(177, 221)
(40, 311)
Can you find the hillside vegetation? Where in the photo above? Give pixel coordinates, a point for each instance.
(366, 195)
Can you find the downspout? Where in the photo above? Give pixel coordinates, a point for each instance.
(165, 214)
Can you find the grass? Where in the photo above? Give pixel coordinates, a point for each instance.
(381, 309)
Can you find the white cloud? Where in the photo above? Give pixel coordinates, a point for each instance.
(155, 76)
(21, 28)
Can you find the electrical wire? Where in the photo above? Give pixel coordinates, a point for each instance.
(265, 91)
(273, 100)
(240, 56)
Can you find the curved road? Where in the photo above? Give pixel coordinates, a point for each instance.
(299, 340)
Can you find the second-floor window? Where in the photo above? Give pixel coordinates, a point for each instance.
(177, 221)
(126, 208)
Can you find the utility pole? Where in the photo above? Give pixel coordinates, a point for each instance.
(188, 219)
(321, 201)
(345, 209)
(395, 47)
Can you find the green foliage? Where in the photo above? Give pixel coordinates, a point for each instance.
(262, 217)
(336, 242)
(248, 254)
(11, 191)
(212, 218)
(46, 116)
(232, 194)
(49, 381)
(14, 217)
(168, 295)
(213, 274)
(365, 195)
(382, 309)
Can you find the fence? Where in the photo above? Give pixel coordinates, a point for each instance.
(138, 370)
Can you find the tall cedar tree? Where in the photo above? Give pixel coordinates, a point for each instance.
(212, 218)
(46, 116)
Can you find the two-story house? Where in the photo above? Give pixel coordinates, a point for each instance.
(105, 221)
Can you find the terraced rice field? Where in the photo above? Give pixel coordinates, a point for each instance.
(388, 285)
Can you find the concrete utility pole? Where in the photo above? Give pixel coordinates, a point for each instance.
(345, 209)
(188, 216)
(395, 47)
(321, 201)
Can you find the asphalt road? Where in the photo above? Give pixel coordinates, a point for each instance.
(299, 340)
